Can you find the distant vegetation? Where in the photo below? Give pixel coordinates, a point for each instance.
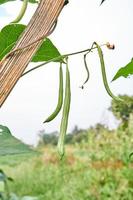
(76, 136)
(122, 111)
(98, 168)
(97, 165)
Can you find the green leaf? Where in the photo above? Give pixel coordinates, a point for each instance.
(33, 1)
(9, 36)
(125, 71)
(46, 52)
(6, 1)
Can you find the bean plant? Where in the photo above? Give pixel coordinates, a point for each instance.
(15, 29)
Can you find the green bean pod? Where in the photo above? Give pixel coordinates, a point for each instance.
(60, 97)
(87, 71)
(86, 66)
(65, 114)
(100, 53)
(21, 13)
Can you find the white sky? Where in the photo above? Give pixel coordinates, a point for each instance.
(80, 23)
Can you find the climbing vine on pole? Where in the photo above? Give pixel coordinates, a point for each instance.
(46, 52)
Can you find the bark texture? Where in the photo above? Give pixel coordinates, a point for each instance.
(40, 24)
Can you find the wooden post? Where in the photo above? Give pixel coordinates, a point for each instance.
(39, 26)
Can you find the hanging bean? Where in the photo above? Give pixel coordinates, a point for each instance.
(60, 97)
(100, 53)
(65, 114)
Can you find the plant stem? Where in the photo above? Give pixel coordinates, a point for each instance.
(59, 58)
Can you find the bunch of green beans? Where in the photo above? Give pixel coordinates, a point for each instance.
(67, 98)
(66, 107)
(65, 113)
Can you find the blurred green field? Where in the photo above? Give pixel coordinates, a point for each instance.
(98, 168)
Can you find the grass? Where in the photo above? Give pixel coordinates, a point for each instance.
(97, 169)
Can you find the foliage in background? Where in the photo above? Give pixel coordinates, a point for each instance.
(5, 193)
(76, 136)
(97, 168)
(123, 111)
